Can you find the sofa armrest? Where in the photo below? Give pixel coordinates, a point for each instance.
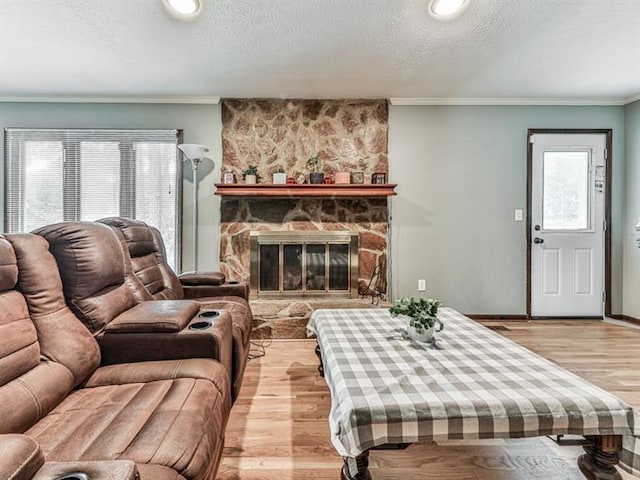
(228, 289)
(103, 470)
(157, 316)
(20, 457)
(202, 338)
(202, 278)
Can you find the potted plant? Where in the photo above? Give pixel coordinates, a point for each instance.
(315, 165)
(251, 174)
(279, 177)
(420, 315)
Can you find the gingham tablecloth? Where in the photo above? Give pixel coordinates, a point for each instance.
(475, 383)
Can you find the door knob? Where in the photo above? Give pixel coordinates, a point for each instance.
(538, 240)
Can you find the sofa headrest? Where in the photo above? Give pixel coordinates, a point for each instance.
(8, 266)
(88, 254)
(39, 281)
(137, 235)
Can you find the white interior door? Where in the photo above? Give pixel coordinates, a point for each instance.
(567, 225)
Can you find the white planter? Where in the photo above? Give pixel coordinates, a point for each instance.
(250, 179)
(279, 178)
(423, 336)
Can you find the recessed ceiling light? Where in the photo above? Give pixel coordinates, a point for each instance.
(446, 8)
(184, 7)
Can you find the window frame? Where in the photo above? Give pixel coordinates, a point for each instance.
(71, 175)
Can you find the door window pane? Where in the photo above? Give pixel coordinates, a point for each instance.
(43, 192)
(565, 191)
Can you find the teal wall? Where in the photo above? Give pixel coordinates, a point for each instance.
(461, 173)
(631, 301)
(201, 124)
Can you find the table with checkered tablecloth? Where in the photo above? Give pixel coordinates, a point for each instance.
(387, 389)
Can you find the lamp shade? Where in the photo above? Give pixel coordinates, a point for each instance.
(193, 151)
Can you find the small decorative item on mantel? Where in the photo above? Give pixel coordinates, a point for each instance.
(379, 178)
(343, 177)
(279, 177)
(358, 177)
(291, 181)
(315, 165)
(421, 317)
(251, 175)
(228, 177)
(328, 181)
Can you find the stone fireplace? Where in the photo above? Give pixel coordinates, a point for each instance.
(310, 264)
(348, 135)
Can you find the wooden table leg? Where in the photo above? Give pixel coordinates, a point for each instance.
(601, 458)
(320, 368)
(362, 464)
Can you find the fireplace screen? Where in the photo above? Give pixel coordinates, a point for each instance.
(287, 264)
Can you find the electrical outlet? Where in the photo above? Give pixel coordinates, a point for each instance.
(422, 285)
(519, 215)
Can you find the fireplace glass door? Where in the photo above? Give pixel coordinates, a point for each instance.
(314, 263)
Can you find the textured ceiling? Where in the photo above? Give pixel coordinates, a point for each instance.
(321, 49)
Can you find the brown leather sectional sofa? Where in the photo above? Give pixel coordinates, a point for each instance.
(97, 376)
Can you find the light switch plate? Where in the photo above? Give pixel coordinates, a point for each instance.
(519, 215)
(422, 285)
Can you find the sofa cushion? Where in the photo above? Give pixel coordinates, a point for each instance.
(175, 423)
(32, 395)
(19, 349)
(20, 457)
(8, 266)
(155, 317)
(61, 336)
(92, 267)
(147, 256)
(144, 372)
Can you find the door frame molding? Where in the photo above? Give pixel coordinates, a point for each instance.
(607, 204)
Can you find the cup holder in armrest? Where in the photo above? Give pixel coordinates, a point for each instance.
(233, 282)
(73, 476)
(208, 314)
(201, 325)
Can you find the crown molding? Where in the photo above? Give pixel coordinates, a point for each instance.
(629, 100)
(141, 99)
(509, 101)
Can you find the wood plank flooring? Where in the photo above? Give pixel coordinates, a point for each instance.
(279, 430)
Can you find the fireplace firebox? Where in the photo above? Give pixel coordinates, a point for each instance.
(300, 264)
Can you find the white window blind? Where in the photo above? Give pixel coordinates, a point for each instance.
(55, 175)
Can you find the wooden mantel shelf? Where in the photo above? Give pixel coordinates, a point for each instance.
(306, 190)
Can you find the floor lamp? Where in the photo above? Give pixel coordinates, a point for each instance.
(195, 153)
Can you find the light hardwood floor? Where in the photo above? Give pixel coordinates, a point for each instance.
(278, 427)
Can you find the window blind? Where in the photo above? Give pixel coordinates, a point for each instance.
(55, 175)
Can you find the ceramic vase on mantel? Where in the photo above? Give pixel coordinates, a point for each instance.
(279, 178)
(250, 179)
(316, 178)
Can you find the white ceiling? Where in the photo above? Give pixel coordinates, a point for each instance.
(321, 49)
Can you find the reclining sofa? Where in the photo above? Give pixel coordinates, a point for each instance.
(64, 411)
(117, 282)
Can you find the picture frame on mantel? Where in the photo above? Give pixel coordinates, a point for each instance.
(379, 178)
